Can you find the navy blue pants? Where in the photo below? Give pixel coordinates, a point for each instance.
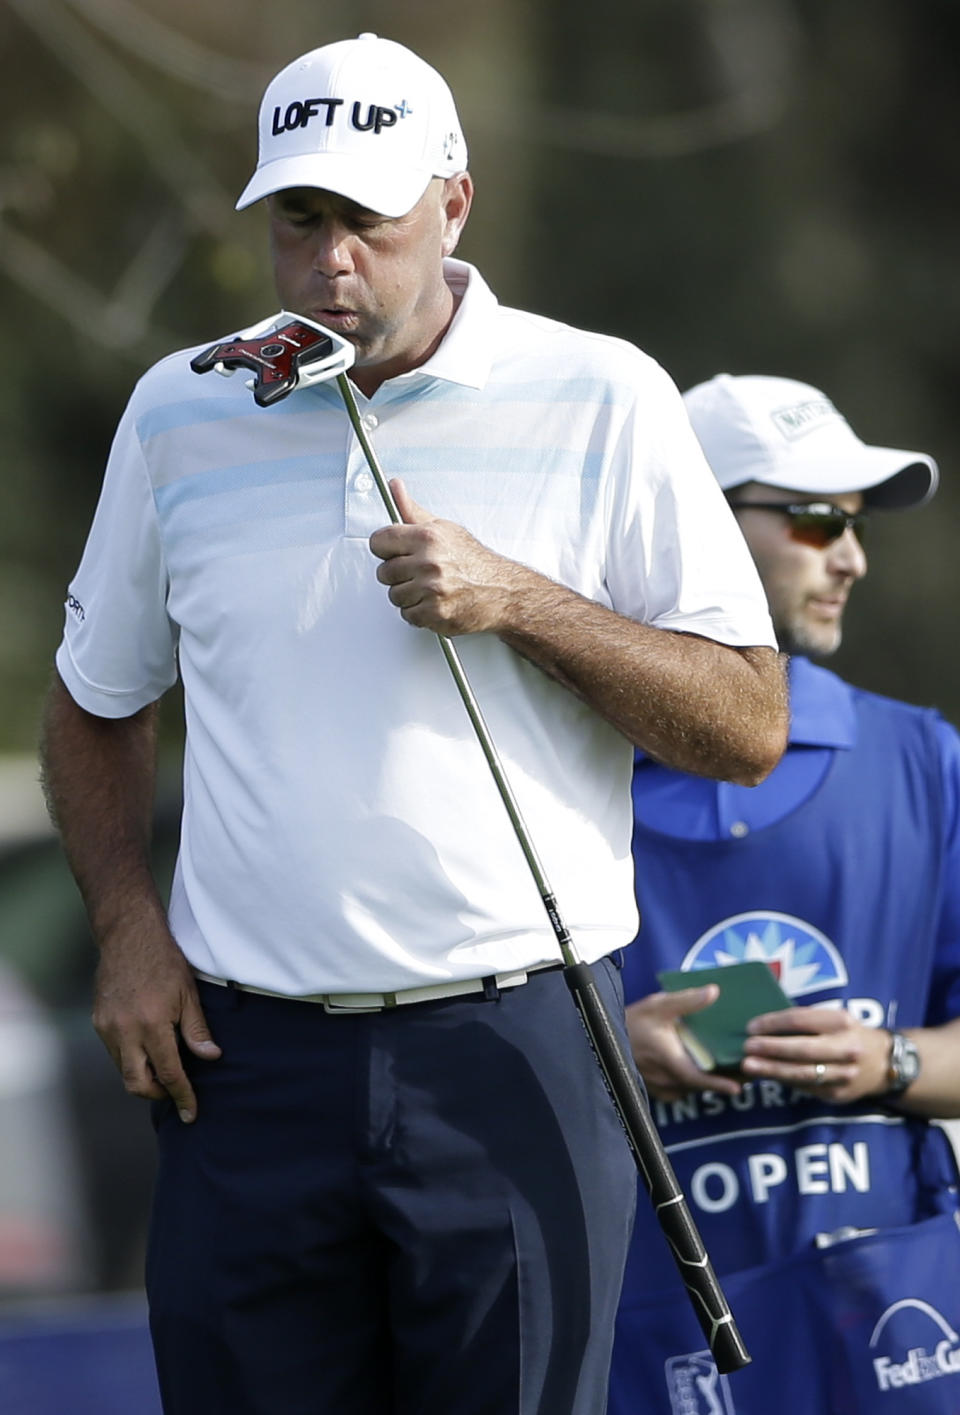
(423, 1211)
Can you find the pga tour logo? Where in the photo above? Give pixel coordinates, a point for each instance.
(696, 1387)
(924, 1345)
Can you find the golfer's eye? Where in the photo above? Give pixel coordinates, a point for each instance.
(294, 210)
(367, 220)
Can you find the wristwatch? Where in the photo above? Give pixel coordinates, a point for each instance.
(903, 1065)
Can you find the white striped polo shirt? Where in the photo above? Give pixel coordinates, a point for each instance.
(341, 830)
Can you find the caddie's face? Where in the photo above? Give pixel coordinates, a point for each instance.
(807, 585)
(377, 280)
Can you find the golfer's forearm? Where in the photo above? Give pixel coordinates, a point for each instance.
(693, 704)
(99, 777)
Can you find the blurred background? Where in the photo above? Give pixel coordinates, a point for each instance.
(755, 186)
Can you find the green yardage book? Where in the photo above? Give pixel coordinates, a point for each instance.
(715, 1036)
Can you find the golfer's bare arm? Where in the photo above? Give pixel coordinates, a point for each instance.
(691, 703)
(99, 777)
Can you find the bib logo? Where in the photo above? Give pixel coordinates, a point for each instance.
(922, 1343)
(801, 958)
(695, 1386)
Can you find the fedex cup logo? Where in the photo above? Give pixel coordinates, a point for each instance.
(913, 1343)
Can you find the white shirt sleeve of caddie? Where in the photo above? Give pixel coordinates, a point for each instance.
(118, 651)
(676, 558)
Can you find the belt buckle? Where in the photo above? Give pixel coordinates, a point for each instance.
(335, 1008)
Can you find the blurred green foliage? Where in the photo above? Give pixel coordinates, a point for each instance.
(749, 185)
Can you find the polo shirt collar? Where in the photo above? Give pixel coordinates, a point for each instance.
(465, 354)
(821, 707)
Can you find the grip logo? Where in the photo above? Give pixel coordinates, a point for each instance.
(924, 1345)
(696, 1387)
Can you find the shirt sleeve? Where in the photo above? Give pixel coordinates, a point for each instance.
(118, 651)
(945, 987)
(676, 557)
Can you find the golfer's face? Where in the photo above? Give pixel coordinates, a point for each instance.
(377, 280)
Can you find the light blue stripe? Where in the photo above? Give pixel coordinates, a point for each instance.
(189, 412)
(199, 544)
(192, 411)
(419, 465)
(220, 481)
(595, 391)
(491, 461)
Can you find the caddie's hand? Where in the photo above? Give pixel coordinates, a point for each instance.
(663, 1061)
(823, 1050)
(440, 576)
(145, 998)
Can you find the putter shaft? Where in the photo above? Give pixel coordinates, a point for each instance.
(466, 692)
(616, 1065)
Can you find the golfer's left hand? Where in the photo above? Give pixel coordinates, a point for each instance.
(793, 1045)
(440, 576)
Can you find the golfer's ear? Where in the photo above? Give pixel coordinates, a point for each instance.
(410, 511)
(457, 194)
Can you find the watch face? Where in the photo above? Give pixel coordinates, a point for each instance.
(910, 1063)
(904, 1062)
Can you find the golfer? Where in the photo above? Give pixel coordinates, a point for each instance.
(389, 1180)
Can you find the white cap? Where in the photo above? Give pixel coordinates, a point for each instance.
(365, 118)
(788, 434)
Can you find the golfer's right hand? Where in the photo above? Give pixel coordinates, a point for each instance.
(145, 999)
(441, 577)
(668, 1070)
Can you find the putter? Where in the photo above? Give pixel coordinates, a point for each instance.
(289, 351)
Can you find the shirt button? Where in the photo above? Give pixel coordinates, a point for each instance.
(369, 421)
(739, 829)
(364, 481)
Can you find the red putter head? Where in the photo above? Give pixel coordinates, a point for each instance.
(293, 353)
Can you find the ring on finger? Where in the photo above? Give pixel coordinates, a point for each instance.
(819, 1074)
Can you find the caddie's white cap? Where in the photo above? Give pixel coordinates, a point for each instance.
(366, 118)
(788, 434)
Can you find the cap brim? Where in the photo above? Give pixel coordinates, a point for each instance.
(912, 484)
(389, 191)
(889, 478)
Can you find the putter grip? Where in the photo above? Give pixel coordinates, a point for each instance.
(679, 1229)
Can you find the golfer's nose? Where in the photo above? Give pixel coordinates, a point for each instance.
(333, 249)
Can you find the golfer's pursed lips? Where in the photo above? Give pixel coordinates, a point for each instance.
(336, 312)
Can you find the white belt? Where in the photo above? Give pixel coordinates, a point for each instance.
(380, 1001)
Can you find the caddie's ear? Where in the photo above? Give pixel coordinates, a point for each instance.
(456, 200)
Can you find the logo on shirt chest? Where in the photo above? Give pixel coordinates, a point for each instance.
(802, 959)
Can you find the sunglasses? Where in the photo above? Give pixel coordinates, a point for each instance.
(817, 523)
